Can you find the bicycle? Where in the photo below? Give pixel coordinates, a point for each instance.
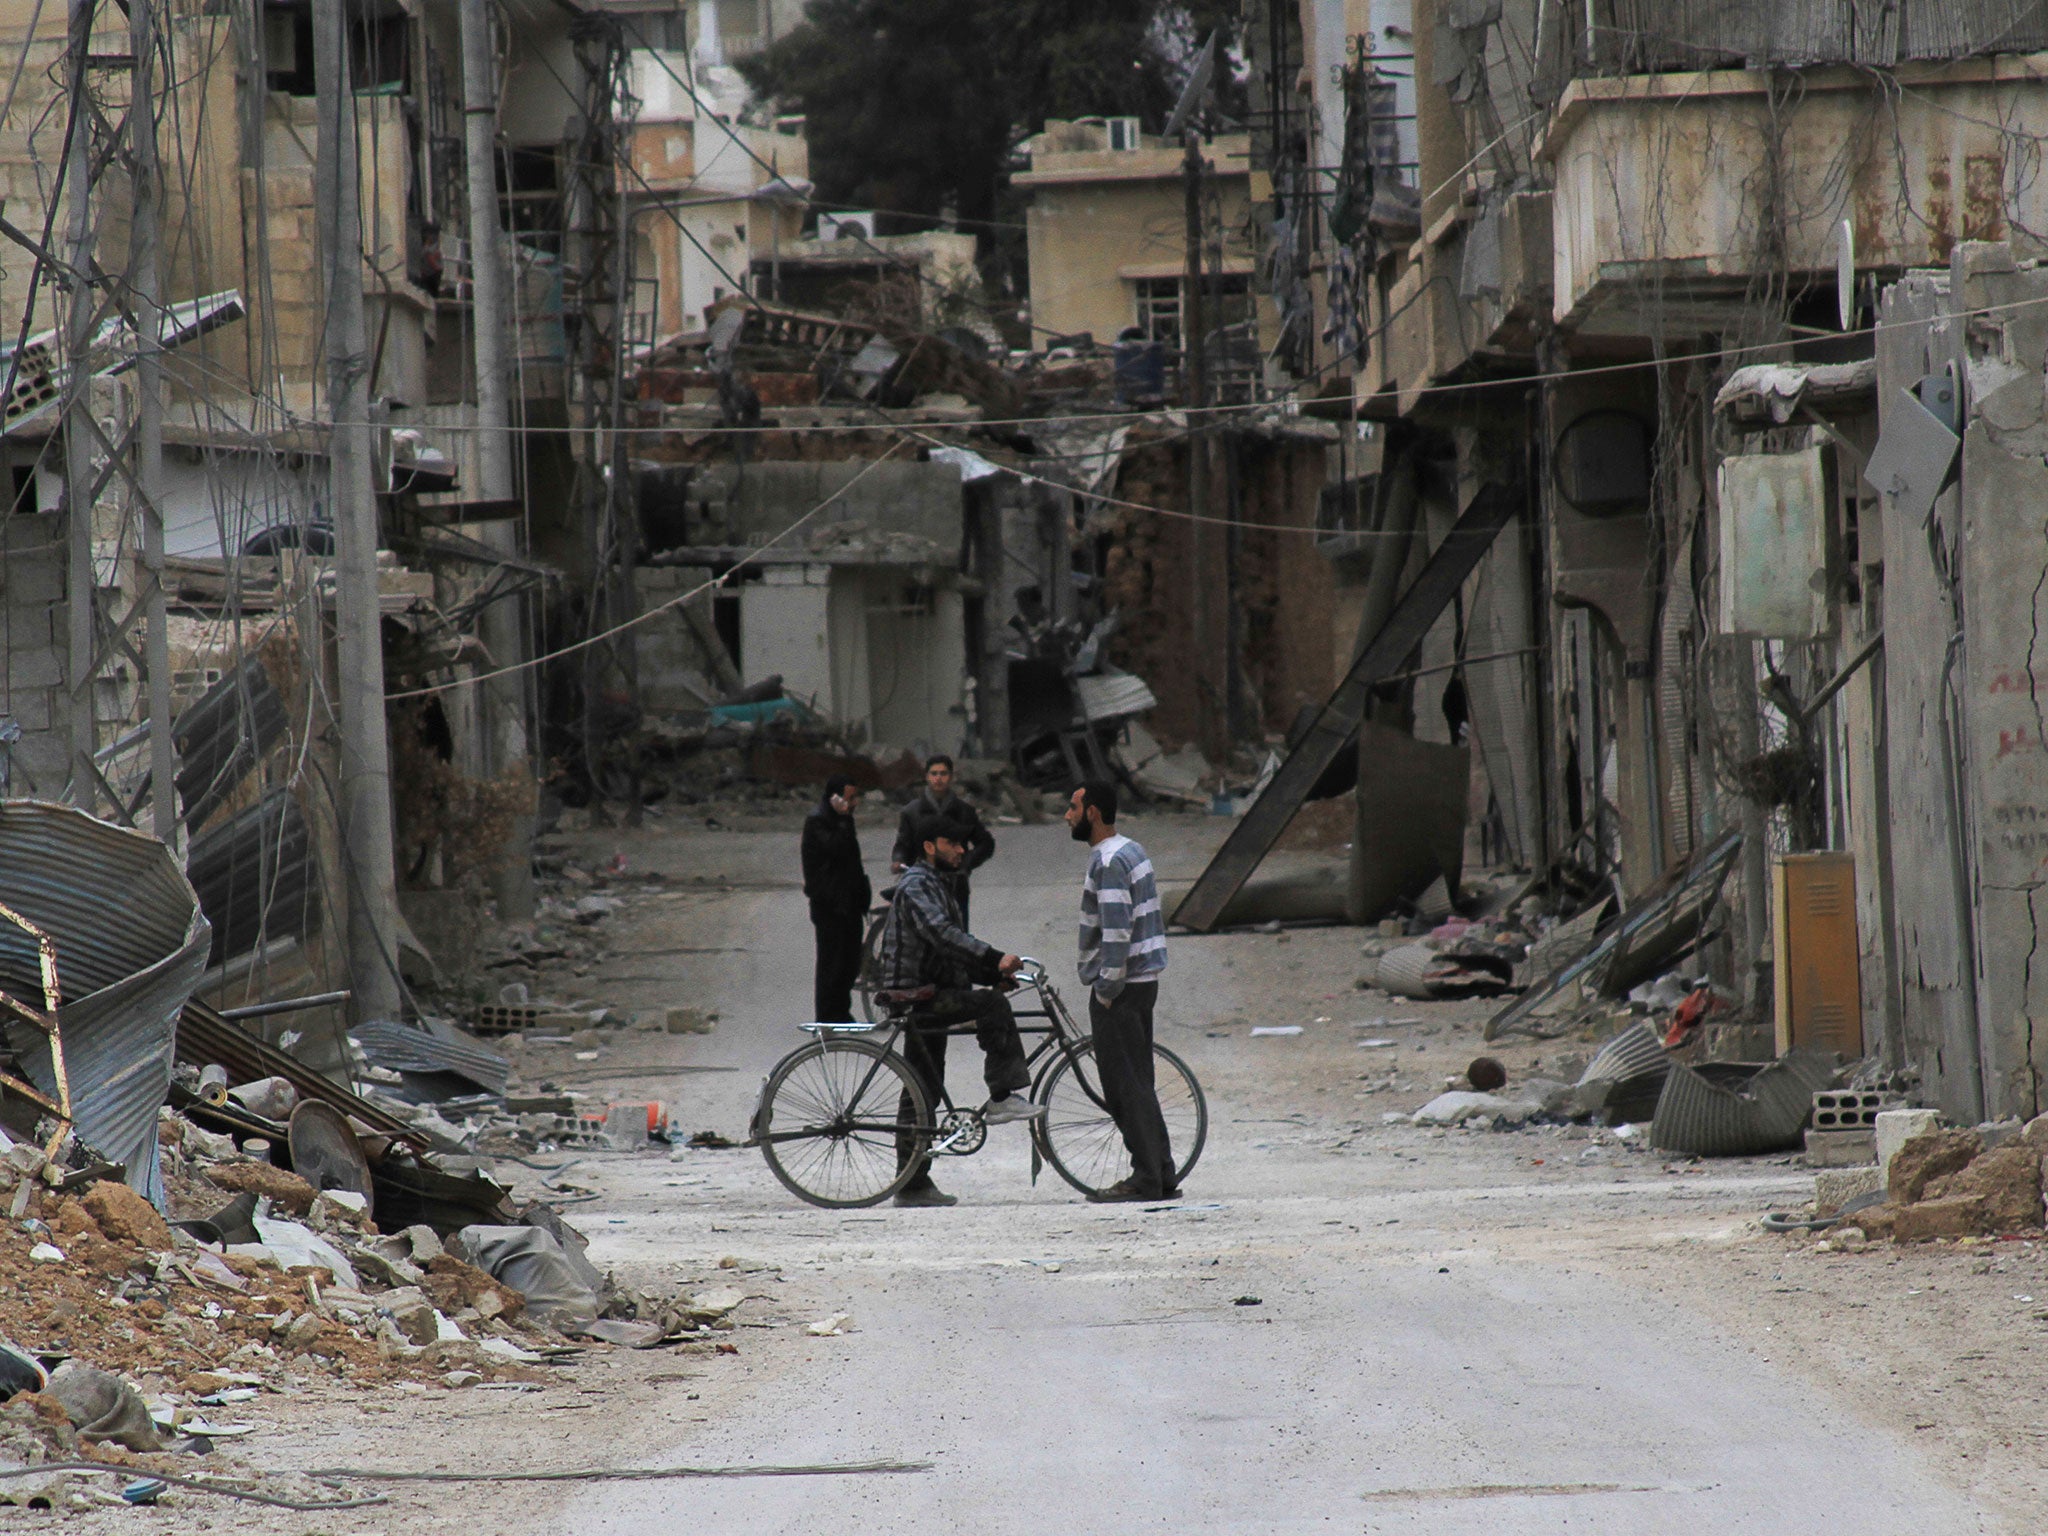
(844, 1122)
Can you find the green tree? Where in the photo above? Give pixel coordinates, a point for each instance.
(917, 107)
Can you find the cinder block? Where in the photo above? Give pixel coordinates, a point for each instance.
(1896, 1127)
(1840, 1149)
(1849, 1109)
(1834, 1188)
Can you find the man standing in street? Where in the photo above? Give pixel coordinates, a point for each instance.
(1123, 954)
(926, 945)
(938, 798)
(839, 893)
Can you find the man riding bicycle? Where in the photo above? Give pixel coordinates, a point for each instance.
(931, 963)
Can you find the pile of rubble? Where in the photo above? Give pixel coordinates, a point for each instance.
(1939, 1183)
(126, 1333)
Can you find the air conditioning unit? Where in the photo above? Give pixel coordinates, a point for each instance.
(1123, 132)
(846, 226)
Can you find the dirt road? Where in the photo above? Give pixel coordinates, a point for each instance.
(1344, 1326)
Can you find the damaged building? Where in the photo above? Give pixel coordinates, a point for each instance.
(1735, 323)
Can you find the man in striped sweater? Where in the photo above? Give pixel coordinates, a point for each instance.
(1123, 953)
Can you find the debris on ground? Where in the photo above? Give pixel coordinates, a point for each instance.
(1943, 1183)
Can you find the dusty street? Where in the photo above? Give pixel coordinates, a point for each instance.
(1344, 1326)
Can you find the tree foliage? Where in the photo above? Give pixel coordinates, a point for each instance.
(916, 107)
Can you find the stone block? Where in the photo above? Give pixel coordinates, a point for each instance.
(1896, 1127)
(39, 668)
(1924, 1159)
(1962, 1217)
(1834, 1188)
(2007, 1180)
(1841, 1149)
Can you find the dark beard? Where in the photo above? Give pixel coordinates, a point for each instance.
(1080, 830)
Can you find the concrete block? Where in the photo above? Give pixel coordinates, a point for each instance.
(32, 669)
(1896, 1127)
(33, 709)
(1996, 1133)
(1841, 1149)
(29, 580)
(1834, 1188)
(1845, 1109)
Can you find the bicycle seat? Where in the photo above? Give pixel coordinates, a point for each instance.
(906, 997)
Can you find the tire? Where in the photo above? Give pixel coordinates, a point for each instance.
(870, 979)
(1080, 1140)
(802, 1123)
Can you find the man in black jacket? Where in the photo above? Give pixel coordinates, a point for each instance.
(939, 799)
(838, 888)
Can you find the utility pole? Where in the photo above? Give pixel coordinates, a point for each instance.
(1210, 683)
(146, 180)
(365, 757)
(79, 582)
(490, 314)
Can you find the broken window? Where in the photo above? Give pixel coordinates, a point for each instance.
(1158, 309)
(379, 47)
(530, 196)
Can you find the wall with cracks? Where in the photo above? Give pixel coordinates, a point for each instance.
(1966, 624)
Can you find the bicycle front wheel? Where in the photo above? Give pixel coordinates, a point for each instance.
(1081, 1140)
(843, 1123)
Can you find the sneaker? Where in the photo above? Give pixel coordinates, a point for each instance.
(1129, 1192)
(1011, 1106)
(927, 1194)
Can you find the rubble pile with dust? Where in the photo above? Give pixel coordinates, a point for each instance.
(1942, 1183)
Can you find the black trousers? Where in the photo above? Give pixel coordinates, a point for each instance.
(839, 956)
(1123, 1056)
(1003, 1065)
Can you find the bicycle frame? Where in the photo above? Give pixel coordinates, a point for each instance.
(1058, 1030)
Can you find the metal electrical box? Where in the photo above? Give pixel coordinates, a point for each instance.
(1813, 937)
(1774, 546)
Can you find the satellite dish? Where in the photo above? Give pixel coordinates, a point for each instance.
(1192, 94)
(1845, 274)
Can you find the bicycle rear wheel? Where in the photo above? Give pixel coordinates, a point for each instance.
(843, 1123)
(870, 979)
(1082, 1142)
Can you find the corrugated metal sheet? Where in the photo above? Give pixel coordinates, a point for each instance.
(1635, 1052)
(131, 944)
(1112, 696)
(1739, 1109)
(1950, 29)
(222, 737)
(402, 1048)
(256, 876)
(1647, 35)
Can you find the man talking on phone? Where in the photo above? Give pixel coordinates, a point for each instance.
(838, 888)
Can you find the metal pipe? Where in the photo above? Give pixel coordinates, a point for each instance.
(286, 1005)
